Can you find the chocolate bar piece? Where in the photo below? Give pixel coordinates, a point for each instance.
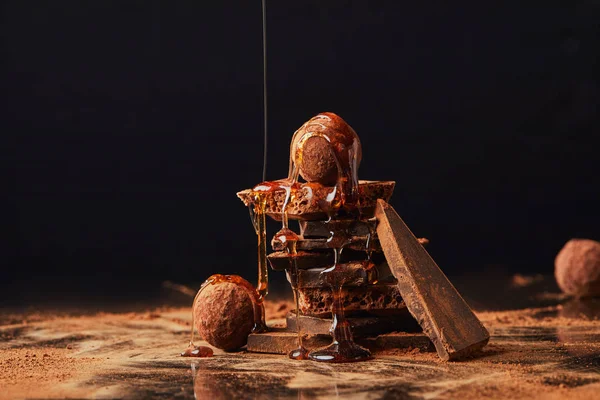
(430, 297)
(353, 274)
(361, 326)
(373, 298)
(280, 260)
(323, 229)
(281, 342)
(354, 243)
(306, 203)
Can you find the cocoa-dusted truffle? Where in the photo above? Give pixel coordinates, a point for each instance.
(318, 163)
(577, 268)
(224, 316)
(318, 143)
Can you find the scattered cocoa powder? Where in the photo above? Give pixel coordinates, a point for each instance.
(23, 374)
(508, 367)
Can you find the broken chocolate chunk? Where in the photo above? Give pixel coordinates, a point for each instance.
(280, 260)
(323, 229)
(280, 342)
(354, 243)
(305, 203)
(430, 297)
(379, 297)
(361, 326)
(354, 274)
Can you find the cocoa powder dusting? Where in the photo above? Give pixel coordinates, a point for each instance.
(534, 353)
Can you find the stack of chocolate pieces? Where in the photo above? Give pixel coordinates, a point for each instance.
(351, 239)
(369, 288)
(371, 298)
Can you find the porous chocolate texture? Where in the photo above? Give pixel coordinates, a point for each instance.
(353, 274)
(307, 201)
(372, 298)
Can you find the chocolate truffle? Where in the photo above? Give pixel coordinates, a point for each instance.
(318, 163)
(315, 156)
(224, 316)
(577, 268)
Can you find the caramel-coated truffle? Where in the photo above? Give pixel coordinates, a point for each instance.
(323, 142)
(224, 315)
(577, 268)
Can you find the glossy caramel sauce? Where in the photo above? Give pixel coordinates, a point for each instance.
(289, 238)
(342, 349)
(197, 351)
(257, 213)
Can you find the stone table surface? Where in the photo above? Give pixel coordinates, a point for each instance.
(548, 349)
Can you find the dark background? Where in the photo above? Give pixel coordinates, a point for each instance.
(128, 127)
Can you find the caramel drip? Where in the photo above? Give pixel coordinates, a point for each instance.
(263, 272)
(368, 243)
(342, 349)
(197, 351)
(289, 239)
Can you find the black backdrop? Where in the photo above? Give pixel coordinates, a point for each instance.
(127, 128)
